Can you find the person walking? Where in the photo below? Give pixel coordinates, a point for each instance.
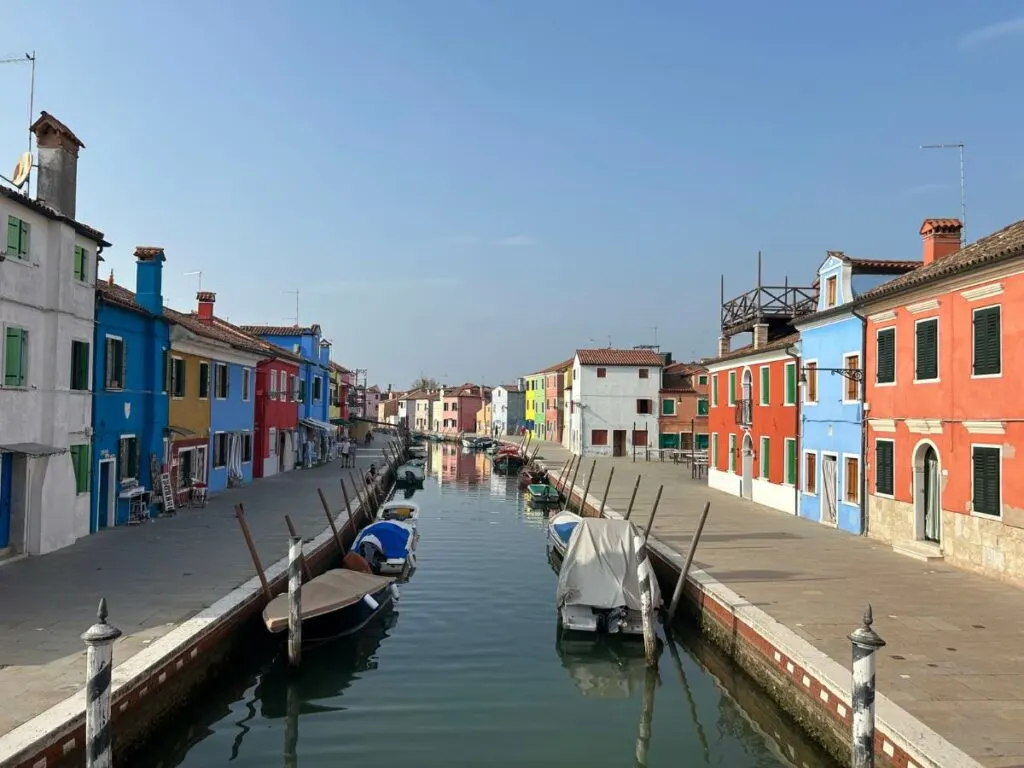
(344, 451)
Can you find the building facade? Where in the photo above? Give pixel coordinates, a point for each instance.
(554, 392)
(276, 415)
(189, 407)
(47, 310)
(533, 405)
(615, 395)
(508, 409)
(683, 414)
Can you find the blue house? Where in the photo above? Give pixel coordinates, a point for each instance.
(316, 433)
(130, 405)
(831, 409)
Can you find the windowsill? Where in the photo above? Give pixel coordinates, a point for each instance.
(12, 388)
(811, 402)
(885, 383)
(109, 388)
(177, 397)
(987, 375)
(926, 381)
(18, 260)
(220, 466)
(850, 503)
(809, 493)
(881, 495)
(986, 516)
(849, 402)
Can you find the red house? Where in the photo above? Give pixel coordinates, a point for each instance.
(460, 404)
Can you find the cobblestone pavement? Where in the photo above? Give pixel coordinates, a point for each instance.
(954, 657)
(154, 576)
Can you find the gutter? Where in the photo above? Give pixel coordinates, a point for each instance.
(863, 423)
(789, 350)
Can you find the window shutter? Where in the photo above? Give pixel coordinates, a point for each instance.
(12, 358)
(13, 235)
(25, 232)
(732, 387)
(987, 332)
(885, 363)
(927, 350)
(138, 459)
(124, 365)
(79, 270)
(790, 383)
(883, 468)
(714, 389)
(791, 461)
(765, 386)
(986, 480)
(108, 368)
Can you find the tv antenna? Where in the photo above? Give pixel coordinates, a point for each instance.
(963, 187)
(194, 274)
(30, 59)
(296, 292)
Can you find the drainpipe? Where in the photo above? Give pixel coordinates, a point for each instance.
(863, 423)
(790, 350)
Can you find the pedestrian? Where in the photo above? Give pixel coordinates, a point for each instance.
(344, 451)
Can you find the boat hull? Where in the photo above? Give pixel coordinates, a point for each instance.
(347, 621)
(617, 621)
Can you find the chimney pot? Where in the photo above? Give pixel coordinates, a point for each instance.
(206, 300)
(940, 238)
(57, 184)
(149, 278)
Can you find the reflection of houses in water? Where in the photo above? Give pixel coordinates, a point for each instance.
(464, 467)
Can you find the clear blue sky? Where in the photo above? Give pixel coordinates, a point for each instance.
(472, 189)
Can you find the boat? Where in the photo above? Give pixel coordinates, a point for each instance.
(410, 473)
(508, 462)
(598, 589)
(528, 476)
(336, 603)
(542, 495)
(388, 546)
(417, 451)
(476, 443)
(400, 510)
(560, 529)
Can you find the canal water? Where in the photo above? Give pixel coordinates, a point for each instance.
(469, 670)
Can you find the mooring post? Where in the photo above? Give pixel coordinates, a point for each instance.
(348, 506)
(330, 522)
(355, 488)
(643, 742)
(295, 534)
(681, 583)
(586, 490)
(572, 483)
(644, 575)
(295, 601)
(865, 643)
(99, 661)
(654, 509)
(563, 476)
(607, 487)
(251, 545)
(636, 487)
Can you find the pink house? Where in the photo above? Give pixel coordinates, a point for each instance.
(459, 406)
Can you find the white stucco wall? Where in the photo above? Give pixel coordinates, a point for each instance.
(610, 403)
(42, 296)
(780, 497)
(499, 410)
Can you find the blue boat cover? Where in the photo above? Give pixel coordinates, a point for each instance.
(392, 538)
(563, 524)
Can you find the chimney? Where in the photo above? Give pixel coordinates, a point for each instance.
(58, 148)
(149, 278)
(723, 346)
(760, 335)
(940, 238)
(206, 300)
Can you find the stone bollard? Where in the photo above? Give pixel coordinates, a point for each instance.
(295, 601)
(865, 643)
(100, 639)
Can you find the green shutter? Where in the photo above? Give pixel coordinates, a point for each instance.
(986, 480)
(714, 389)
(713, 463)
(766, 392)
(13, 235)
(81, 464)
(732, 387)
(883, 467)
(885, 363)
(702, 406)
(765, 457)
(987, 342)
(23, 243)
(927, 350)
(790, 383)
(791, 462)
(14, 374)
(79, 269)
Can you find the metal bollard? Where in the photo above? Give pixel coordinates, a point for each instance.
(865, 642)
(100, 639)
(295, 601)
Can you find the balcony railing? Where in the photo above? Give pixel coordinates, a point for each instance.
(745, 412)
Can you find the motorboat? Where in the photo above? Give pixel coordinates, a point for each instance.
(542, 495)
(476, 443)
(508, 462)
(598, 588)
(401, 510)
(529, 476)
(388, 546)
(336, 603)
(560, 530)
(410, 473)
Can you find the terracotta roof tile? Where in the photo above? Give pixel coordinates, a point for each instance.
(281, 330)
(778, 344)
(51, 213)
(612, 357)
(686, 368)
(941, 227)
(227, 333)
(45, 118)
(112, 293)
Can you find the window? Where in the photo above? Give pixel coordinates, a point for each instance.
(318, 385)
(765, 454)
(851, 387)
(643, 405)
(246, 447)
(165, 378)
(790, 478)
(601, 373)
(885, 356)
(220, 385)
(668, 407)
(926, 350)
(80, 366)
(732, 387)
(732, 452)
(80, 463)
(128, 458)
(790, 384)
(177, 377)
(272, 441)
(116, 360)
(273, 385)
(246, 382)
(811, 386)
(714, 390)
(644, 373)
(987, 342)
(766, 385)
(220, 449)
(300, 390)
(830, 291)
(702, 380)
(986, 491)
(702, 406)
(81, 264)
(18, 233)
(713, 462)
(810, 472)
(851, 479)
(204, 380)
(884, 467)
(599, 437)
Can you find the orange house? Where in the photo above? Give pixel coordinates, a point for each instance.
(943, 403)
(683, 421)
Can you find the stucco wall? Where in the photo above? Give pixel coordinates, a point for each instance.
(609, 403)
(235, 413)
(190, 411)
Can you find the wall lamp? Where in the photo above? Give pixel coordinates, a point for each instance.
(853, 374)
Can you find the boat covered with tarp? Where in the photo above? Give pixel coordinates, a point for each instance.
(388, 546)
(560, 529)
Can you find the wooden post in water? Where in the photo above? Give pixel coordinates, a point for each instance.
(330, 522)
(636, 487)
(348, 506)
(563, 471)
(291, 726)
(355, 488)
(295, 602)
(681, 583)
(572, 483)
(643, 742)
(644, 576)
(586, 489)
(247, 534)
(650, 520)
(294, 534)
(607, 487)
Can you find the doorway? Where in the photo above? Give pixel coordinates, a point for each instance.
(106, 495)
(829, 498)
(619, 442)
(928, 493)
(748, 467)
(6, 462)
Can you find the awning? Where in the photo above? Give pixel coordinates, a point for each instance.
(340, 422)
(32, 449)
(317, 424)
(181, 431)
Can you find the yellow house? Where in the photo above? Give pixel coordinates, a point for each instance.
(483, 420)
(535, 401)
(189, 378)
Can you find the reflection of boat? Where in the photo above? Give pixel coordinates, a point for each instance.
(560, 529)
(541, 495)
(403, 511)
(334, 604)
(418, 451)
(598, 588)
(387, 545)
(603, 667)
(410, 473)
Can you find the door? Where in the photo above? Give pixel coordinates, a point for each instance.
(829, 501)
(619, 442)
(748, 467)
(103, 494)
(702, 442)
(5, 499)
(932, 508)
(670, 440)
(185, 468)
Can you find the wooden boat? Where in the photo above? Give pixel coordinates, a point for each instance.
(529, 476)
(542, 495)
(410, 473)
(508, 462)
(401, 510)
(560, 530)
(388, 546)
(339, 602)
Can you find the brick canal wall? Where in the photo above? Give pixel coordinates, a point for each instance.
(152, 685)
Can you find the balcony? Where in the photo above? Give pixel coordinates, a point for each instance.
(745, 412)
(769, 304)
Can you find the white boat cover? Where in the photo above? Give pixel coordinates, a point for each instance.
(599, 567)
(328, 592)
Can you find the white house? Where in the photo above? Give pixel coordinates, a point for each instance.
(424, 410)
(47, 310)
(508, 408)
(614, 404)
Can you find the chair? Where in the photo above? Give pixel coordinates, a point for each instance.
(197, 497)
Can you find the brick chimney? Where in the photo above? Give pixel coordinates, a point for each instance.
(149, 278)
(206, 300)
(723, 345)
(57, 184)
(760, 335)
(940, 238)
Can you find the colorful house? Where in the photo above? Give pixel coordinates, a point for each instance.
(130, 369)
(458, 407)
(567, 406)
(189, 407)
(533, 410)
(508, 409)
(337, 411)
(554, 391)
(683, 420)
(945, 417)
(831, 418)
(485, 420)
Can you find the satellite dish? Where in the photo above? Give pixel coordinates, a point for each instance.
(22, 169)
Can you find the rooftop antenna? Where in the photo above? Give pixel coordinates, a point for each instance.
(296, 292)
(655, 329)
(30, 59)
(194, 274)
(963, 186)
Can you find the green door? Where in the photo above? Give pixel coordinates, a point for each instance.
(669, 441)
(702, 442)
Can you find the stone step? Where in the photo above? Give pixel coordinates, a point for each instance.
(925, 551)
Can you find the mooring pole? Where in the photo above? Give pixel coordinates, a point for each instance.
(650, 520)
(348, 506)
(294, 534)
(291, 725)
(99, 662)
(681, 583)
(572, 483)
(586, 489)
(865, 643)
(643, 575)
(295, 601)
(636, 487)
(355, 489)
(247, 535)
(607, 487)
(643, 742)
(330, 522)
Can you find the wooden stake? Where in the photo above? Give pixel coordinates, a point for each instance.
(348, 506)
(636, 486)
(586, 490)
(294, 602)
(572, 483)
(292, 532)
(607, 487)
(681, 583)
(240, 515)
(330, 521)
(650, 520)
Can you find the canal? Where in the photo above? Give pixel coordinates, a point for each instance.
(468, 670)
